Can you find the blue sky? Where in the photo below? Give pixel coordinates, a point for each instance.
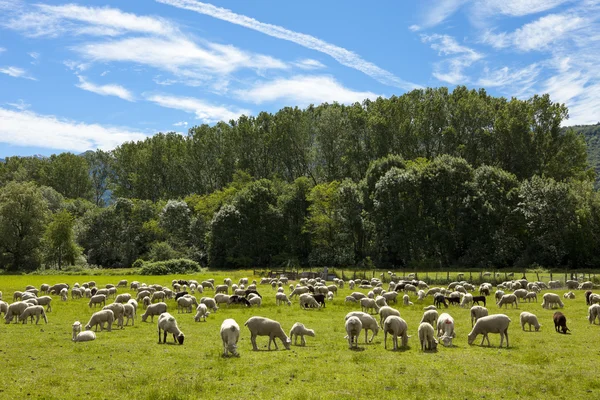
(94, 74)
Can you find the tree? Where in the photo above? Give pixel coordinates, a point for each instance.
(59, 240)
(100, 170)
(175, 219)
(68, 175)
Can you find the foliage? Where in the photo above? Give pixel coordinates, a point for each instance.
(59, 240)
(174, 266)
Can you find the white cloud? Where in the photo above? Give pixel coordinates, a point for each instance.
(19, 105)
(343, 56)
(436, 12)
(25, 128)
(302, 91)
(16, 72)
(35, 56)
(104, 73)
(105, 90)
(514, 82)
(204, 111)
(309, 64)
(461, 57)
(2, 49)
(515, 8)
(182, 123)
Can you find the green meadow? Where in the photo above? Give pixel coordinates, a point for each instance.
(41, 361)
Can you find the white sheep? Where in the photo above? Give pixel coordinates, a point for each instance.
(593, 313)
(168, 324)
(119, 312)
(154, 309)
(64, 294)
(129, 312)
(84, 336)
(97, 299)
(230, 334)
(201, 312)
(390, 297)
(353, 327)
(385, 312)
(3, 307)
(255, 301)
(466, 300)
(159, 295)
(222, 289)
(358, 295)
(281, 298)
(299, 329)
(508, 299)
(431, 307)
(260, 326)
(368, 323)
(426, 337)
(210, 303)
(569, 295)
(530, 296)
(498, 295)
(445, 329)
(185, 303)
(531, 319)
(123, 298)
(350, 299)
(497, 323)
(406, 300)
(33, 311)
(15, 310)
(430, 317)
(351, 284)
(594, 298)
(550, 300)
(477, 312)
(99, 318)
(369, 304)
(397, 327)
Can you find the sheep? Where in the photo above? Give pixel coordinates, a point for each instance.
(308, 301)
(123, 298)
(201, 312)
(119, 311)
(430, 317)
(593, 313)
(508, 299)
(390, 297)
(99, 318)
(353, 327)
(467, 300)
(397, 327)
(569, 295)
(168, 324)
(3, 307)
(97, 299)
(431, 307)
(439, 299)
(230, 334)
(186, 303)
(45, 301)
(255, 301)
(281, 298)
(368, 323)
(146, 302)
(426, 337)
(208, 285)
(350, 299)
(101, 291)
(222, 289)
(299, 329)
(367, 304)
(477, 312)
(586, 285)
(406, 300)
(498, 295)
(554, 284)
(143, 293)
(33, 311)
(129, 312)
(158, 295)
(154, 309)
(260, 326)
(351, 284)
(385, 312)
(572, 284)
(531, 319)
(17, 295)
(531, 296)
(594, 298)
(55, 289)
(84, 336)
(497, 323)
(211, 304)
(445, 329)
(560, 322)
(45, 288)
(550, 300)
(15, 310)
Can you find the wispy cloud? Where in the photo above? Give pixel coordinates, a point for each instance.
(25, 128)
(204, 111)
(460, 57)
(35, 56)
(181, 123)
(303, 90)
(19, 105)
(517, 82)
(16, 72)
(435, 12)
(341, 55)
(515, 8)
(309, 64)
(2, 49)
(105, 90)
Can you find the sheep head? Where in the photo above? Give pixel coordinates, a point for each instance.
(179, 338)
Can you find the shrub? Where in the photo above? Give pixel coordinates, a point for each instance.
(175, 266)
(162, 251)
(139, 263)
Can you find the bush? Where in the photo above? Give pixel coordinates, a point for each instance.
(175, 266)
(162, 251)
(139, 263)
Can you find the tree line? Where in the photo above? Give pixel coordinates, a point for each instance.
(429, 179)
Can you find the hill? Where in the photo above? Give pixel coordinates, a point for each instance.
(591, 134)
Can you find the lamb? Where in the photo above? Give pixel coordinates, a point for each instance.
(353, 328)
(33, 311)
(508, 299)
(97, 299)
(281, 298)
(439, 299)
(350, 299)
(397, 327)
(308, 301)
(84, 336)
(15, 310)
(260, 326)
(123, 298)
(230, 334)
(168, 324)
(477, 312)
(320, 298)
(146, 302)
(369, 304)
(406, 300)
(99, 318)
(478, 299)
(3, 307)
(497, 323)
(550, 300)
(426, 337)
(467, 300)
(380, 301)
(118, 310)
(129, 312)
(430, 317)
(531, 319)
(154, 309)
(45, 301)
(531, 296)
(211, 304)
(143, 293)
(201, 312)
(593, 313)
(299, 329)
(498, 295)
(560, 322)
(186, 303)
(594, 298)
(255, 301)
(569, 295)
(588, 293)
(368, 323)
(385, 312)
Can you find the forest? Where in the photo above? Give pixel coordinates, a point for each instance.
(431, 179)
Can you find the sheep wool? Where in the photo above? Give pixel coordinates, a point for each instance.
(260, 326)
(230, 334)
(299, 329)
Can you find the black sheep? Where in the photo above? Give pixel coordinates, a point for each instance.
(587, 297)
(180, 294)
(477, 299)
(94, 290)
(249, 291)
(560, 322)
(320, 298)
(439, 299)
(235, 299)
(453, 300)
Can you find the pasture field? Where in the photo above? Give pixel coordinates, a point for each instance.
(41, 361)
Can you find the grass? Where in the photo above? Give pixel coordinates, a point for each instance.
(40, 361)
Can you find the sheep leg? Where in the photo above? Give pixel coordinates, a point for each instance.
(159, 342)
(253, 340)
(37, 320)
(302, 341)
(385, 340)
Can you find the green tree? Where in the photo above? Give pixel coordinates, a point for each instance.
(68, 175)
(59, 240)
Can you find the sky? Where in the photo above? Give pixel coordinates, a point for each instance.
(94, 74)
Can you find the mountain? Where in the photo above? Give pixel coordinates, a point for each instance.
(591, 134)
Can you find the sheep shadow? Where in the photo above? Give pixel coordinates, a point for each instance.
(357, 349)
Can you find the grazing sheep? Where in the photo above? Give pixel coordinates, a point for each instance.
(255, 301)
(211, 304)
(154, 309)
(99, 318)
(129, 312)
(586, 285)
(479, 299)
(146, 302)
(369, 304)
(260, 326)
(397, 327)
(497, 323)
(299, 329)
(531, 296)
(572, 284)
(560, 322)
(467, 300)
(406, 300)
(477, 312)
(594, 298)
(168, 324)
(353, 327)
(207, 285)
(593, 313)
(350, 299)
(230, 334)
(222, 289)
(15, 310)
(123, 298)
(498, 295)
(390, 297)
(426, 337)
(97, 299)
(520, 293)
(439, 299)
(3, 307)
(445, 329)
(77, 293)
(33, 311)
(201, 312)
(308, 301)
(550, 300)
(531, 319)
(431, 307)
(385, 312)
(430, 317)
(569, 295)
(84, 336)
(45, 301)
(588, 293)
(368, 323)
(119, 311)
(55, 289)
(159, 295)
(508, 299)
(281, 298)
(185, 303)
